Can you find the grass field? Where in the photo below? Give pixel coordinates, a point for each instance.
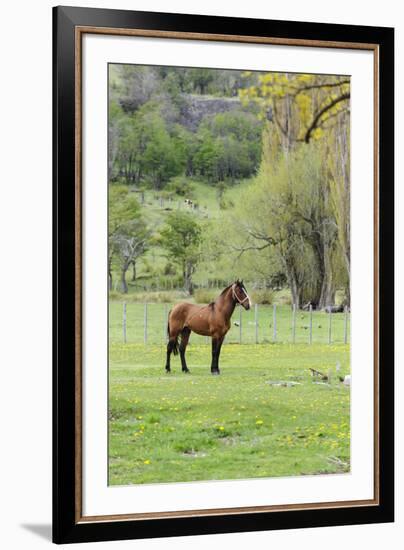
(193, 427)
(157, 325)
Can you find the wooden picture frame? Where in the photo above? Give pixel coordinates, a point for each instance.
(70, 25)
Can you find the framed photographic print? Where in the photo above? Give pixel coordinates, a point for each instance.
(223, 275)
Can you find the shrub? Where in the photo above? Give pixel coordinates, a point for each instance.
(284, 299)
(115, 295)
(157, 297)
(262, 296)
(205, 295)
(169, 269)
(180, 186)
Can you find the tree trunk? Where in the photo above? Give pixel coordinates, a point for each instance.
(348, 296)
(189, 287)
(327, 296)
(124, 284)
(295, 289)
(322, 244)
(110, 273)
(295, 294)
(133, 271)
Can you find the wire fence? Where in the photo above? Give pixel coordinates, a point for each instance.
(166, 283)
(147, 324)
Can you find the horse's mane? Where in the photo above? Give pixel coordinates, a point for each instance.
(225, 290)
(212, 304)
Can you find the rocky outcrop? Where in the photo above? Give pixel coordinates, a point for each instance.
(196, 107)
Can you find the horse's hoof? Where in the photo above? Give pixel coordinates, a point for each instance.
(186, 371)
(168, 371)
(215, 372)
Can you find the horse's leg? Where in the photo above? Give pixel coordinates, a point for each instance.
(216, 347)
(172, 343)
(183, 346)
(218, 350)
(172, 346)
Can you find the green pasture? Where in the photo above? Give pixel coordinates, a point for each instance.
(156, 315)
(247, 422)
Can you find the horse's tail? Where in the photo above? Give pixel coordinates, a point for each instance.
(173, 343)
(175, 346)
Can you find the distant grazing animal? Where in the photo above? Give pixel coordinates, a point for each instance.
(212, 320)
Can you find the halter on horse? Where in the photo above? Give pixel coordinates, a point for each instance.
(212, 320)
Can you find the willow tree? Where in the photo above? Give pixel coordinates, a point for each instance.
(288, 210)
(303, 106)
(307, 140)
(338, 170)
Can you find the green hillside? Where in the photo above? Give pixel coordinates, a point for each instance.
(155, 207)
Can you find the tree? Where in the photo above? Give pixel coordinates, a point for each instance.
(207, 156)
(185, 144)
(304, 112)
(229, 146)
(141, 146)
(201, 78)
(338, 164)
(130, 144)
(133, 85)
(289, 210)
(129, 243)
(303, 106)
(123, 208)
(181, 238)
(115, 123)
(160, 158)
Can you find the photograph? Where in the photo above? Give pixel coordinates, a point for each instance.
(222, 276)
(229, 229)
(205, 353)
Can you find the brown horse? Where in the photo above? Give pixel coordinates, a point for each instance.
(212, 320)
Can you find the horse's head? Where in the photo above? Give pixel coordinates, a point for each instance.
(240, 294)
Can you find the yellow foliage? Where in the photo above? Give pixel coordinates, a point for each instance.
(317, 133)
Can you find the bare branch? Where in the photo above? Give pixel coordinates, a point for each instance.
(302, 89)
(317, 118)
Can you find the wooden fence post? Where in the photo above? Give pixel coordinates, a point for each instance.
(145, 323)
(124, 323)
(256, 322)
(310, 324)
(274, 322)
